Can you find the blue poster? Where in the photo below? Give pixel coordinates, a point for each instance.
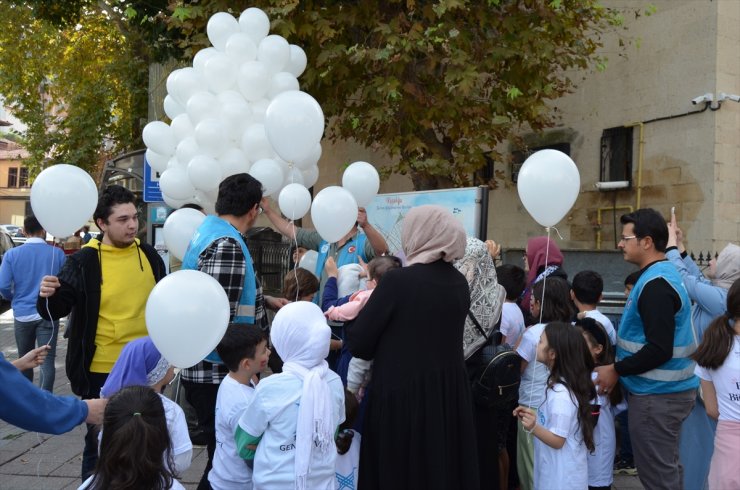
(152, 193)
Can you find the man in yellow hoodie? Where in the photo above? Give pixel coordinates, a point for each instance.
(104, 288)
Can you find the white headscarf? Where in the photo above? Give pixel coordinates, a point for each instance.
(301, 338)
(728, 266)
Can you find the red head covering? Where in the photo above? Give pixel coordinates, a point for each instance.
(537, 249)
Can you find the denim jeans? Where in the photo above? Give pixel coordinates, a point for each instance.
(28, 336)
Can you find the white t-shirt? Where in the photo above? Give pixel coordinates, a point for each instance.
(605, 322)
(601, 461)
(348, 465)
(512, 323)
(268, 416)
(726, 381)
(176, 485)
(534, 377)
(565, 468)
(229, 470)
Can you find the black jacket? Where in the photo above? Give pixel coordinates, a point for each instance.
(79, 297)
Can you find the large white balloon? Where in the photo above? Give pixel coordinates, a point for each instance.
(186, 150)
(297, 61)
(259, 108)
(274, 52)
(211, 136)
(363, 181)
(158, 137)
(233, 161)
(184, 83)
(236, 114)
(311, 160)
(293, 175)
(201, 58)
(310, 176)
(175, 203)
(308, 261)
(253, 80)
(182, 127)
(172, 107)
(204, 173)
(179, 228)
(548, 185)
(220, 27)
(255, 23)
(334, 213)
(269, 173)
(241, 48)
(255, 144)
(157, 161)
(63, 198)
(202, 105)
(280, 82)
(175, 183)
(220, 73)
(187, 314)
(294, 201)
(294, 123)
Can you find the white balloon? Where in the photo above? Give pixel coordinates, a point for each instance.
(220, 27)
(202, 105)
(172, 107)
(182, 127)
(254, 143)
(293, 176)
(363, 181)
(157, 161)
(255, 23)
(158, 137)
(184, 83)
(297, 61)
(308, 261)
(236, 114)
(201, 58)
(294, 123)
(211, 136)
(259, 108)
(175, 183)
(233, 161)
(253, 80)
(310, 176)
(280, 82)
(334, 213)
(172, 163)
(294, 201)
(186, 315)
(274, 52)
(186, 150)
(179, 229)
(241, 48)
(63, 198)
(269, 173)
(220, 73)
(171, 81)
(204, 173)
(175, 203)
(548, 185)
(312, 159)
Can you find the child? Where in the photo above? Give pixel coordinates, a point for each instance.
(348, 446)
(600, 462)
(563, 427)
(135, 445)
(300, 285)
(141, 364)
(289, 426)
(244, 352)
(586, 293)
(358, 375)
(514, 280)
(718, 366)
(630, 281)
(550, 301)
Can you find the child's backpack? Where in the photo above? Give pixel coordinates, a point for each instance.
(497, 374)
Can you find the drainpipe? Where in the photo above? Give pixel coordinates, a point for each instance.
(598, 220)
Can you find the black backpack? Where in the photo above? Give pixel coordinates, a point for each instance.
(496, 372)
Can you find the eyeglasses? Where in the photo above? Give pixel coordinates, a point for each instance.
(259, 210)
(623, 238)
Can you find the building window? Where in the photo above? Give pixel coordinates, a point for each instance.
(13, 177)
(23, 179)
(519, 156)
(616, 155)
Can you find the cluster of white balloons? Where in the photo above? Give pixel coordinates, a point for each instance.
(237, 109)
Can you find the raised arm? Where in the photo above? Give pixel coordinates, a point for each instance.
(376, 240)
(282, 225)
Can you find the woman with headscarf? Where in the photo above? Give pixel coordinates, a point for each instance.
(418, 430)
(288, 428)
(709, 298)
(141, 364)
(542, 258)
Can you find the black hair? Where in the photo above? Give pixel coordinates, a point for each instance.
(238, 343)
(351, 408)
(587, 287)
(632, 278)
(192, 205)
(572, 367)
(555, 305)
(31, 225)
(298, 283)
(113, 195)
(238, 194)
(719, 337)
(135, 450)
(648, 223)
(513, 279)
(378, 266)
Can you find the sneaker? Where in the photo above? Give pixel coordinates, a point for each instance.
(624, 467)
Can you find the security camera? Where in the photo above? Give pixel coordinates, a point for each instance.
(724, 96)
(706, 98)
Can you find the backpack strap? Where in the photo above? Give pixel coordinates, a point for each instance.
(492, 336)
(477, 325)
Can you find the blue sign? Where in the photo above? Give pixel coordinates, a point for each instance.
(152, 193)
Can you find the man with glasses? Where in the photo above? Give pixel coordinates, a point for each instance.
(104, 288)
(654, 342)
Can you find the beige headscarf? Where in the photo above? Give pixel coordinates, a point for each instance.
(431, 233)
(728, 266)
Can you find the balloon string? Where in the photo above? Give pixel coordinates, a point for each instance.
(54, 328)
(295, 269)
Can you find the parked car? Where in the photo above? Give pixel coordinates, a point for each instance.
(6, 243)
(12, 230)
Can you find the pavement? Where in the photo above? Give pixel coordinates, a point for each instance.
(30, 460)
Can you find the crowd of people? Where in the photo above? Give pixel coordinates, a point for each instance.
(371, 382)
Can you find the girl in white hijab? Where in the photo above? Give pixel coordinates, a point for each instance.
(293, 417)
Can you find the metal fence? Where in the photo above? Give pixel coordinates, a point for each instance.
(272, 258)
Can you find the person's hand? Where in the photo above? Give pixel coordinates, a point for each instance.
(675, 235)
(361, 217)
(95, 410)
(527, 416)
(365, 271)
(330, 266)
(275, 303)
(606, 378)
(49, 286)
(32, 358)
(494, 249)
